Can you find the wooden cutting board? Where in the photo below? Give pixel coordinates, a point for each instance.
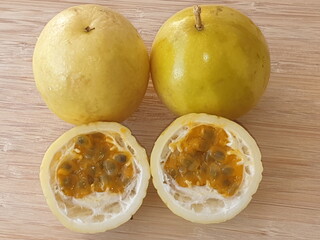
(286, 125)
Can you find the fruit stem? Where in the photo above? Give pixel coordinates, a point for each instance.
(197, 15)
(88, 29)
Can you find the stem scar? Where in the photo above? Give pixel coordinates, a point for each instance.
(88, 29)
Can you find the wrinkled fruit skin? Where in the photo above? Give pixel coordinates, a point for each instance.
(222, 70)
(91, 74)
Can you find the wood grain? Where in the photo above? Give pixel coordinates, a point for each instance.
(286, 125)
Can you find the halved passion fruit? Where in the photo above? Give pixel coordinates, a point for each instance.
(94, 177)
(206, 168)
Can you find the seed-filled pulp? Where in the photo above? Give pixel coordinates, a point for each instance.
(202, 157)
(94, 165)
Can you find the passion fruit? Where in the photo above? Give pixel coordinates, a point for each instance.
(94, 177)
(206, 168)
(214, 60)
(90, 64)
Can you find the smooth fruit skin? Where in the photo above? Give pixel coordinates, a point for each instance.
(222, 70)
(90, 64)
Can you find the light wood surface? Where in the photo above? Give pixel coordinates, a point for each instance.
(286, 125)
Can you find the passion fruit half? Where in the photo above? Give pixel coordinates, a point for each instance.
(94, 177)
(206, 168)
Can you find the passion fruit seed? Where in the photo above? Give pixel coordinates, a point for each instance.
(82, 183)
(187, 162)
(214, 170)
(82, 140)
(89, 154)
(110, 168)
(218, 156)
(66, 166)
(67, 181)
(173, 173)
(90, 180)
(182, 170)
(97, 167)
(205, 159)
(227, 182)
(227, 170)
(121, 158)
(193, 166)
(212, 155)
(102, 153)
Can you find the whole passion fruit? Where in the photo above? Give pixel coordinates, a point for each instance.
(211, 59)
(90, 64)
